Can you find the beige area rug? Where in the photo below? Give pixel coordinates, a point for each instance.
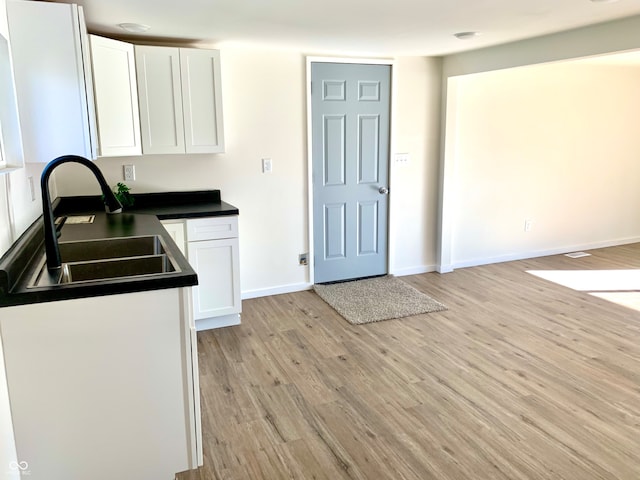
(376, 299)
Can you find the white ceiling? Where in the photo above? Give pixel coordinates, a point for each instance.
(356, 27)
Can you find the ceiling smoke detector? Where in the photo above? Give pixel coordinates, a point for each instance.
(465, 35)
(134, 27)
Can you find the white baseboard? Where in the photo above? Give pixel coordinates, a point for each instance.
(300, 287)
(448, 268)
(542, 253)
(280, 289)
(417, 270)
(218, 322)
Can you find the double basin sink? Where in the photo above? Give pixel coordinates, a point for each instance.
(111, 258)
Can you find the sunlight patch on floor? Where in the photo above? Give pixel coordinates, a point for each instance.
(593, 280)
(626, 299)
(617, 286)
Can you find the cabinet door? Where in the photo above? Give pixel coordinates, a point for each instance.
(49, 71)
(218, 289)
(160, 99)
(202, 100)
(116, 97)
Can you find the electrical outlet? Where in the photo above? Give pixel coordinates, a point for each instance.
(528, 225)
(32, 189)
(267, 166)
(303, 259)
(129, 173)
(401, 158)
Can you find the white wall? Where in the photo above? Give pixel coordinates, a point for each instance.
(26, 210)
(615, 36)
(556, 144)
(414, 185)
(7, 442)
(265, 116)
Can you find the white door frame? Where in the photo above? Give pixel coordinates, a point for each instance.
(370, 61)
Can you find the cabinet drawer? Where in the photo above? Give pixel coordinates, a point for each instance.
(212, 228)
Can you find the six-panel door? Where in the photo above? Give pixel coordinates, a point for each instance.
(350, 136)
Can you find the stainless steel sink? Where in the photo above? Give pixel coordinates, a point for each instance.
(85, 250)
(99, 260)
(115, 268)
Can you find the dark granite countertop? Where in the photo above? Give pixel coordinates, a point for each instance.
(202, 203)
(23, 260)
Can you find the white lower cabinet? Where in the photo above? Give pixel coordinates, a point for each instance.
(212, 250)
(216, 262)
(104, 387)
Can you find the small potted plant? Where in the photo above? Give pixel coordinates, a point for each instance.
(123, 194)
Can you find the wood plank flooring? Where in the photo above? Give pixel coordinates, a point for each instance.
(520, 379)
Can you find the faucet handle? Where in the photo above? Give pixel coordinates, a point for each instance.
(60, 221)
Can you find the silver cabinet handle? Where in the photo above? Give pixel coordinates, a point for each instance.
(383, 190)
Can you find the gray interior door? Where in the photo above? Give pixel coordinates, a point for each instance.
(350, 136)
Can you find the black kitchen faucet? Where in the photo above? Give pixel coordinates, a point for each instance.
(112, 205)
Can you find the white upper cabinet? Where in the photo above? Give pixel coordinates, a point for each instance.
(49, 47)
(116, 97)
(180, 100)
(160, 99)
(201, 100)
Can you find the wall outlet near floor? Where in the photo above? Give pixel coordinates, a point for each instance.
(267, 166)
(303, 259)
(528, 225)
(129, 173)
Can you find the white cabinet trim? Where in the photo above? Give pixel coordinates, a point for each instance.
(176, 229)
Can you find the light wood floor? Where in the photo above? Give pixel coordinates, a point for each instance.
(519, 379)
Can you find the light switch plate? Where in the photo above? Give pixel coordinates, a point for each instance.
(267, 166)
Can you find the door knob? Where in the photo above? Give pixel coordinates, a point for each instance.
(383, 190)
